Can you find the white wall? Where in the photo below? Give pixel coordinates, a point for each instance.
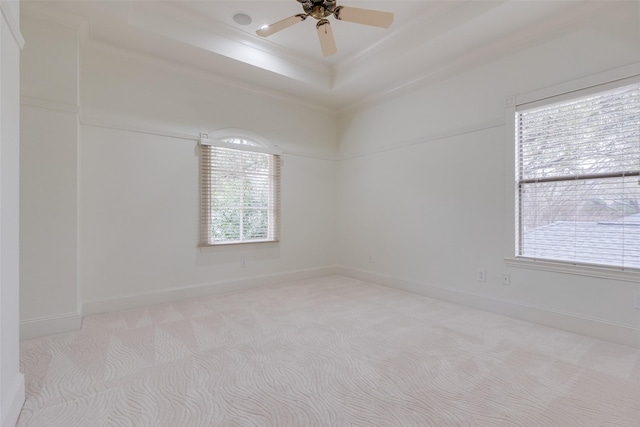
(49, 285)
(138, 91)
(139, 202)
(422, 189)
(11, 380)
(110, 181)
(420, 186)
(140, 210)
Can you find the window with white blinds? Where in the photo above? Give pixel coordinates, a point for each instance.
(239, 192)
(578, 189)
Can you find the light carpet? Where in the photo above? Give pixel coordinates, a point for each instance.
(331, 351)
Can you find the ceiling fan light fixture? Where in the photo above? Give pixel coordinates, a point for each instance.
(320, 10)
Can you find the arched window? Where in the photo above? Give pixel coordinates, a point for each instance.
(239, 191)
(240, 141)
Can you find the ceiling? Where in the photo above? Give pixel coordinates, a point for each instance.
(428, 39)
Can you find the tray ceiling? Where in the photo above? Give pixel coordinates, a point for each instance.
(428, 39)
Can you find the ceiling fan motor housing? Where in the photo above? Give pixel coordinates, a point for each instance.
(319, 9)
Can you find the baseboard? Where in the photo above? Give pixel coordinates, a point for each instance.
(596, 328)
(125, 302)
(14, 401)
(49, 325)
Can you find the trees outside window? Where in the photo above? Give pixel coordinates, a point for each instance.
(578, 163)
(239, 192)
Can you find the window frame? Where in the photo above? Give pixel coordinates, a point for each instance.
(573, 89)
(257, 145)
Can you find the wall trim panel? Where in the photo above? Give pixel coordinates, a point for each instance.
(69, 322)
(125, 302)
(451, 133)
(49, 325)
(596, 328)
(15, 397)
(107, 124)
(49, 105)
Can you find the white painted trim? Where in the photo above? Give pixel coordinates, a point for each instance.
(510, 233)
(14, 25)
(141, 299)
(46, 11)
(626, 74)
(102, 123)
(498, 48)
(49, 105)
(15, 397)
(49, 325)
(227, 32)
(596, 328)
(609, 76)
(218, 134)
(426, 139)
(194, 72)
(604, 272)
(231, 145)
(416, 24)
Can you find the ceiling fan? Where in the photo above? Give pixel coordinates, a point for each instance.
(320, 9)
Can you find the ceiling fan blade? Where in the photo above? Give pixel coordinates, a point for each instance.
(267, 30)
(374, 18)
(325, 34)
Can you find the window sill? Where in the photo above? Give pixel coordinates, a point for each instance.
(226, 244)
(604, 272)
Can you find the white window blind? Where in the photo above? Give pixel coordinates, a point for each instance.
(578, 194)
(239, 193)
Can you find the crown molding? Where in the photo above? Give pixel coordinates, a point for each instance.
(181, 26)
(571, 19)
(194, 72)
(413, 30)
(224, 30)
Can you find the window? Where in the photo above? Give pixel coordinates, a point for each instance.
(239, 192)
(577, 172)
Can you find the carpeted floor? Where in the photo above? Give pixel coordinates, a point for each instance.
(325, 352)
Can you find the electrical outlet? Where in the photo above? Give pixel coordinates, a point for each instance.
(506, 279)
(243, 262)
(370, 259)
(481, 276)
(636, 300)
